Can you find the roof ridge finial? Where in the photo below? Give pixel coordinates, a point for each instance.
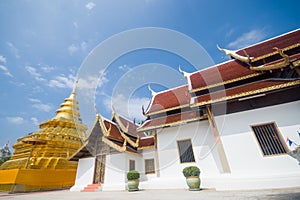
(185, 74)
(113, 109)
(96, 110)
(153, 93)
(234, 55)
(75, 87)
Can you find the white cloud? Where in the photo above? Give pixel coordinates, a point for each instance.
(76, 47)
(62, 81)
(5, 70)
(42, 107)
(47, 69)
(83, 46)
(131, 108)
(249, 38)
(72, 48)
(15, 120)
(87, 86)
(34, 73)
(2, 59)
(35, 121)
(90, 5)
(34, 100)
(124, 67)
(90, 82)
(14, 50)
(39, 105)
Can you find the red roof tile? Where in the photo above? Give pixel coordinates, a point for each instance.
(146, 141)
(114, 132)
(169, 99)
(233, 69)
(131, 127)
(169, 120)
(241, 91)
(267, 46)
(218, 74)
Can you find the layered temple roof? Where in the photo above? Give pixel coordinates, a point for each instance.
(260, 71)
(169, 100)
(115, 135)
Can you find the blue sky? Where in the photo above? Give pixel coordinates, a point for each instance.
(44, 43)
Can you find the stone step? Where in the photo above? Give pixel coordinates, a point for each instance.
(91, 188)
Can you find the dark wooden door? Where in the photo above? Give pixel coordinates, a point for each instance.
(99, 169)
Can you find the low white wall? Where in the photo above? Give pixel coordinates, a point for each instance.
(241, 146)
(117, 166)
(114, 172)
(169, 162)
(250, 169)
(84, 174)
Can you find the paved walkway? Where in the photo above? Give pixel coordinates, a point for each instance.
(284, 194)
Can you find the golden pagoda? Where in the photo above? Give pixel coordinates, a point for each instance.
(40, 159)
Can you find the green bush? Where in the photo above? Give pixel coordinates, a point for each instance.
(131, 175)
(191, 171)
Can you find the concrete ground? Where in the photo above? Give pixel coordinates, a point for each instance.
(285, 194)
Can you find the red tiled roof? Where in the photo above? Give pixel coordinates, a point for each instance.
(267, 46)
(170, 120)
(146, 141)
(131, 127)
(169, 99)
(218, 74)
(233, 69)
(242, 91)
(114, 132)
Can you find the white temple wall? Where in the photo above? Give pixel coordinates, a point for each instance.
(169, 162)
(114, 172)
(84, 174)
(117, 166)
(250, 169)
(148, 153)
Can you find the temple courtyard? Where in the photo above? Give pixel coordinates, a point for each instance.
(206, 194)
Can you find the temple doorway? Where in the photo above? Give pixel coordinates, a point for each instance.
(99, 169)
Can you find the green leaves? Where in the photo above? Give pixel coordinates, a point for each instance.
(191, 171)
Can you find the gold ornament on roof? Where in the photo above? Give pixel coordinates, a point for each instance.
(279, 65)
(233, 54)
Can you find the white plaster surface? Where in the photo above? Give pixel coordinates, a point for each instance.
(84, 174)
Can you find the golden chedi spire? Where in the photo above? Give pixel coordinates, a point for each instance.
(50, 147)
(69, 108)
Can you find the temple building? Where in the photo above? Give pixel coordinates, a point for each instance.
(111, 147)
(230, 120)
(41, 159)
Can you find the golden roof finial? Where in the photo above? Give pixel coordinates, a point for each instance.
(96, 110)
(75, 87)
(235, 55)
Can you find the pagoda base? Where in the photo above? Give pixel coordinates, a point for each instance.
(26, 180)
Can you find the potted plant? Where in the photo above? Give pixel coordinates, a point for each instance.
(133, 180)
(192, 177)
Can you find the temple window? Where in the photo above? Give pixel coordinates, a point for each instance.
(269, 139)
(131, 165)
(149, 166)
(185, 150)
